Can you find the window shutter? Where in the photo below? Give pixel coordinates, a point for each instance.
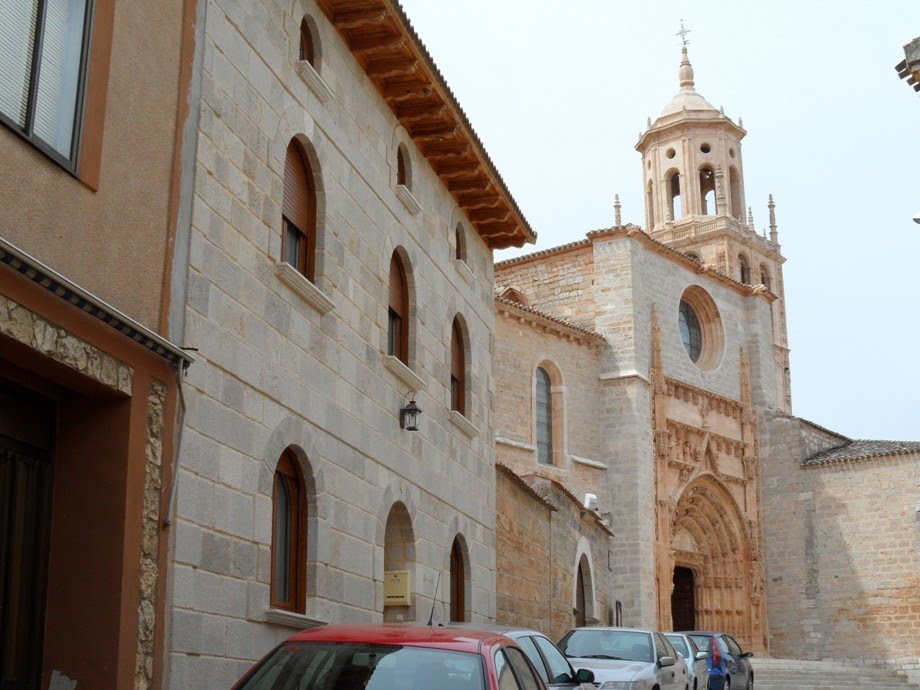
(298, 204)
(397, 287)
(17, 39)
(458, 368)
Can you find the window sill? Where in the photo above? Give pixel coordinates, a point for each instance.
(588, 463)
(465, 425)
(292, 620)
(404, 373)
(465, 271)
(308, 73)
(409, 201)
(295, 280)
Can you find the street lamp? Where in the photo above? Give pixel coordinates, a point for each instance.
(409, 414)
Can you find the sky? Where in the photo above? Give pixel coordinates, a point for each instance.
(559, 92)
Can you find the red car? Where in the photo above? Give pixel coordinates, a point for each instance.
(393, 657)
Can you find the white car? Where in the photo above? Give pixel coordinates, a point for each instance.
(697, 666)
(626, 659)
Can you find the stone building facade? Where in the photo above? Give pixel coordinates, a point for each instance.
(90, 400)
(669, 399)
(303, 368)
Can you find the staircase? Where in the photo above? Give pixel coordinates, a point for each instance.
(789, 674)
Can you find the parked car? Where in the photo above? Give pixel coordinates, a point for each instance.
(697, 666)
(624, 658)
(394, 657)
(729, 666)
(552, 665)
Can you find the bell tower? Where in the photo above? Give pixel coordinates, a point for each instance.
(693, 183)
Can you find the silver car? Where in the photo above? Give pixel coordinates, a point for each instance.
(550, 663)
(626, 659)
(697, 667)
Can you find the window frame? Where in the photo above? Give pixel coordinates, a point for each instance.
(398, 311)
(694, 349)
(457, 368)
(308, 55)
(289, 472)
(457, 583)
(549, 442)
(26, 132)
(306, 237)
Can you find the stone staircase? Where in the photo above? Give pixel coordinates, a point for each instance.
(789, 674)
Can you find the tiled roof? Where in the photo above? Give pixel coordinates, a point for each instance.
(863, 449)
(562, 323)
(524, 486)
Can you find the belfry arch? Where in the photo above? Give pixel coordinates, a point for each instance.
(709, 539)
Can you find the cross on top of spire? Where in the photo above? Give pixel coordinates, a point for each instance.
(683, 33)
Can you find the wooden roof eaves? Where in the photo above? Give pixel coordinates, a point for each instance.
(447, 124)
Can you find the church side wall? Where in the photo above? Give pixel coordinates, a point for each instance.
(559, 284)
(273, 372)
(842, 543)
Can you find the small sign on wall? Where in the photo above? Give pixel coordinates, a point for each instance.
(396, 587)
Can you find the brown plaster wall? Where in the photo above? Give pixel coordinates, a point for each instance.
(50, 346)
(111, 241)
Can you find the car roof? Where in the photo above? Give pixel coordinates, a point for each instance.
(498, 628)
(435, 637)
(701, 632)
(602, 628)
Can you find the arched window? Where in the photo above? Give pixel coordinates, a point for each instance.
(460, 243)
(744, 269)
(734, 186)
(403, 175)
(457, 369)
(650, 202)
(544, 418)
(765, 277)
(398, 326)
(707, 191)
(675, 205)
(690, 332)
(298, 212)
(289, 536)
(306, 43)
(457, 583)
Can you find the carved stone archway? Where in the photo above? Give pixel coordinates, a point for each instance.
(708, 530)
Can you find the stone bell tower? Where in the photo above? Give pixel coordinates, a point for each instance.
(693, 180)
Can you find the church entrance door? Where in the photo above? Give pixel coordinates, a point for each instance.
(683, 599)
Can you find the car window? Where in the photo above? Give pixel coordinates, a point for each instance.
(679, 644)
(530, 649)
(506, 679)
(559, 667)
(733, 647)
(704, 642)
(330, 665)
(664, 647)
(601, 643)
(522, 669)
(693, 648)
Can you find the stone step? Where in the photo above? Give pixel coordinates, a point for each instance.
(795, 674)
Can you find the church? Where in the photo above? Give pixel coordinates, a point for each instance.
(643, 390)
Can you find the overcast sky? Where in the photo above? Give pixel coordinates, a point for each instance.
(559, 91)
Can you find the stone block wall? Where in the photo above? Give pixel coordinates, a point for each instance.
(842, 545)
(274, 372)
(541, 535)
(559, 283)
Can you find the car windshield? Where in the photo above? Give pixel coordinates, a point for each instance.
(348, 665)
(679, 645)
(626, 645)
(704, 642)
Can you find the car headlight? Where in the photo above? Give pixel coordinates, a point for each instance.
(618, 685)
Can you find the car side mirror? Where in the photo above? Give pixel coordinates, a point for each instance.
(702, 655)
(666, 661)
(584, 675)
(747, 655)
